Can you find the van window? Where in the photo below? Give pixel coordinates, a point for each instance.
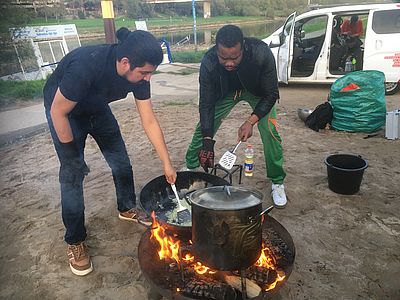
(286, 29)
(309, 36)
(387, 21)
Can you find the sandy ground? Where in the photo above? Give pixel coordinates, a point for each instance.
(347, 246)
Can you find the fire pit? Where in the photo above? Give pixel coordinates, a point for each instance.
(174, 273)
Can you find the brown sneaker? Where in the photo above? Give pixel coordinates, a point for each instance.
(136, 215)
(79, 260)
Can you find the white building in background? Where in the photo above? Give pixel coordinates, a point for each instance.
(49, 44)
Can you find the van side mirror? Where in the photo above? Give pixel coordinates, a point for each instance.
(302, 34)
(275, 41)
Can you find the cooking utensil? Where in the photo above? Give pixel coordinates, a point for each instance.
(267, 210)
(156, 196)
(228, 159)
(303, 113)
(183, 213)
(227, 226)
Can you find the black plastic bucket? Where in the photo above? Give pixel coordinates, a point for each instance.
(345, 172)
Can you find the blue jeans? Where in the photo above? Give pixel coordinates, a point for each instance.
(105, 130)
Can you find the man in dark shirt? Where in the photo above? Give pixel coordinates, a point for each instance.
(76, 98)
(237, 69)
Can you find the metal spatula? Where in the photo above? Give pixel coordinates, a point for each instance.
(183, 213)
(228, 159)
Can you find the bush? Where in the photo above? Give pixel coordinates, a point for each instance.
(188, 56)
(81, 15)
(12, 91)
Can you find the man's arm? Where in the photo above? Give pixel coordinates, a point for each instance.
(359, 29)
(268, 84)
(345, 27)
(207, 115)
(59, 111)
(206, 103)
(270, 93)
(154, 133)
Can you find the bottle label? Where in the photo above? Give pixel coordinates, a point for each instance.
(248, 167)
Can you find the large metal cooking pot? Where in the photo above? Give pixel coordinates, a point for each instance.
(158, 196)
(226, 226)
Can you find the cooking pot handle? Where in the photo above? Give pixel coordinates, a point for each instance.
(187, 197)
(227, 190)
(267, 210)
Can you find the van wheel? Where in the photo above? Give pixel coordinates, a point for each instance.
(391, 88)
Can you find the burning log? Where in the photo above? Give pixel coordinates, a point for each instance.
(206, 288)
(169, 263)
(253, 290)
(259, 274)
(274, 242)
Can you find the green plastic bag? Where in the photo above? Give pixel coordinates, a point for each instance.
(358, 102)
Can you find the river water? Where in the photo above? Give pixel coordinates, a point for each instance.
(206, 36)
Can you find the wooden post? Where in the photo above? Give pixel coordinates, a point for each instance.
(107, 11)
(207, 9)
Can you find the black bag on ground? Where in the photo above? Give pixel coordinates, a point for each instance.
(320, 117)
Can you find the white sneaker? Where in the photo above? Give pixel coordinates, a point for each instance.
(278, 195)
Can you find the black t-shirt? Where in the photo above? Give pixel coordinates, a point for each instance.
(233, 80)
(88, 75)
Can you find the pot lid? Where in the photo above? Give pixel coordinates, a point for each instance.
(226, 198)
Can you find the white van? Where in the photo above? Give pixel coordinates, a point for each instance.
(311, 48)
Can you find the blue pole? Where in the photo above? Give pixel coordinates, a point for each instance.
(194, 23)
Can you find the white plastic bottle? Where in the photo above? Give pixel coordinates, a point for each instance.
(348, 66)
(248, 162)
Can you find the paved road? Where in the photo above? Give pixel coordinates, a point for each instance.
(16, 119)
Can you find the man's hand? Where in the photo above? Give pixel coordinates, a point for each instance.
(206, 154)
(245, 131)
(71, 152)
(170, 173)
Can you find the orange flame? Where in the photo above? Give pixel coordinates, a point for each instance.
(188, 258)
(168, 247)
(279, 278)
(266, 259)
(202, 269)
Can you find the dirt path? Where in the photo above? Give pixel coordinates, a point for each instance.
(347, 246)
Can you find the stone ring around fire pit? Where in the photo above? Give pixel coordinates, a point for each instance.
(173, 272)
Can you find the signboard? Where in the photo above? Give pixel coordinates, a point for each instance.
(141, 25)
(43, 32)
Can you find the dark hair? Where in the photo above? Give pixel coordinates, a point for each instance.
(353, 19)
(139, 46)
(229, 36)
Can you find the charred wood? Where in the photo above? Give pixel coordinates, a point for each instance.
(278, 247)
(208, 288)
(252, 289)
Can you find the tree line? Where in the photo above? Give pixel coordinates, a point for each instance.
(140, 9)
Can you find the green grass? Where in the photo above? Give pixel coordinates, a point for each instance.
(184, 72)
(12, 91)
(97, 25)
(188, 56)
